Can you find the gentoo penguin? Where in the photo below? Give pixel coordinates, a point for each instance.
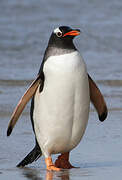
(61, 96)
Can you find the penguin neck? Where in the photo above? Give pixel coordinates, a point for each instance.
(66, 43)
(58, 47)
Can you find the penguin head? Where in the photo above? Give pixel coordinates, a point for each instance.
(65, 32)
(63, 37)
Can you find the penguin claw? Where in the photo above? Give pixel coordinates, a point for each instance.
(53, 168)
(63, 164)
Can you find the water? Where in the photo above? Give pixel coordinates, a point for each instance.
(25, 27)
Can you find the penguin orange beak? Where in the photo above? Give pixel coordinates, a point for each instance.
(72, 33)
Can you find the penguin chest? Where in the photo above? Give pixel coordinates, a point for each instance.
(61, 109)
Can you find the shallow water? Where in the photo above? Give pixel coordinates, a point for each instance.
(25, 27)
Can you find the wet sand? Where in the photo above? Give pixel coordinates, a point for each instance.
(98, 154)
(25, 27)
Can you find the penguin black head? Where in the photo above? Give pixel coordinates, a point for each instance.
(65, 32)
(62, 37)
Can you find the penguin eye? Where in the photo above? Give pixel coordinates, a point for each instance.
(59, 34)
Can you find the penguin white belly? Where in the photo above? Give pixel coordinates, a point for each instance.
(61, 110)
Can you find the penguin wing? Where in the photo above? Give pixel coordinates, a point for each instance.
(97, 100)
(22, 103)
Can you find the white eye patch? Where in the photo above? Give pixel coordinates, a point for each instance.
(58, 32)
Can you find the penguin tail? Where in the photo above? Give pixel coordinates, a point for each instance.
(32, 156)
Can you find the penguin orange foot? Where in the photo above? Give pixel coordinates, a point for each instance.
(50, 165)
(63, 161)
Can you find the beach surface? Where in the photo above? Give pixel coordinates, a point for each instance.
(25, 27)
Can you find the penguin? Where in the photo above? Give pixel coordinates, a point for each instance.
(61, 96)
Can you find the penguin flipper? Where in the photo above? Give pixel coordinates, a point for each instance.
(97, 100)
(22, 103)
(32, 156)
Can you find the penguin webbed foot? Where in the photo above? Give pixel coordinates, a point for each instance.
(63, 161)
(50, 165)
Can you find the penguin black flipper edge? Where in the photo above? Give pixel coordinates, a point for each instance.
(97, 100)
(22, 103)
